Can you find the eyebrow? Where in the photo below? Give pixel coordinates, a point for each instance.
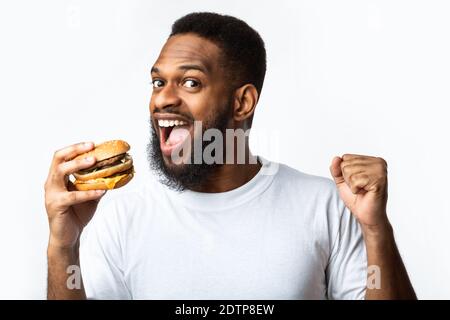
(185, 67)
(193, 67)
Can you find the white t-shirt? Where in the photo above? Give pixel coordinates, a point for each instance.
(282, 235)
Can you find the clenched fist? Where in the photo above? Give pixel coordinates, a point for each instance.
(362, 185)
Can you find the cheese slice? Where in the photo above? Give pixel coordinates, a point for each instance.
(109, 182)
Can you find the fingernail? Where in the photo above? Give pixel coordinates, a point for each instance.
(88, 144)
(89, 159)
(100, 191)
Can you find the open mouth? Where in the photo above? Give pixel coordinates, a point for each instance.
(166, 127)
(172, 133)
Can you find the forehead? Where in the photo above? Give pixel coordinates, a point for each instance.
(189, 49)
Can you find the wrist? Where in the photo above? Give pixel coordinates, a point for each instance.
(379, 233)
(56, 248)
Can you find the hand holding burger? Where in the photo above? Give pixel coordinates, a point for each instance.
(71, 205)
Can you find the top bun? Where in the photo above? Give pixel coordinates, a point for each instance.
(106, 150)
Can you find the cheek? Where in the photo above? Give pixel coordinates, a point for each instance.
(201, 106)
(151, 105)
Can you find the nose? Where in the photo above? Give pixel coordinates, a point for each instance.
(166, 97)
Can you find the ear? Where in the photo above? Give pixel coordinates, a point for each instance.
(245, 100)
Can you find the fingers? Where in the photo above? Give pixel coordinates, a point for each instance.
(76, 197)
(71, 152)
(336, 171)
(62, 165)
(350, 157)
(59, 201)
(351, 169)
(358, 182)
(361, 173)
(72, 166)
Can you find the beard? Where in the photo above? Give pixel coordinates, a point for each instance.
(186, 176)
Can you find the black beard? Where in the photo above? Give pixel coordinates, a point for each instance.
(184, 176)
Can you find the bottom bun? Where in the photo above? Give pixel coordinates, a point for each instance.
(104, 183)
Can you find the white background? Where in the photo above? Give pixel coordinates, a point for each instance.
(368, 77)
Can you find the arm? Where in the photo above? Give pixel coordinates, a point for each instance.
(362, 185)
(382, 252)
(68, 212)
(59, 260)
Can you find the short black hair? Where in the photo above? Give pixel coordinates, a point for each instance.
(243, 48)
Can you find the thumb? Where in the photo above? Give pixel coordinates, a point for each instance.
(336, 171)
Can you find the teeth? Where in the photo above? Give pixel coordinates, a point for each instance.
(171, 123)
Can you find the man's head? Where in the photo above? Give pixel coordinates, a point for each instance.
(210, 70)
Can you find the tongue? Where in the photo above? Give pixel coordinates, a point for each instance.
(177, 135)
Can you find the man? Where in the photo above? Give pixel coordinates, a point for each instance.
(238, 227)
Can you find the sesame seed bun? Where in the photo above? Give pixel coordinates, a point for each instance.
(106, 150)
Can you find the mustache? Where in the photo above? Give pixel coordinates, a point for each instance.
(173, 110)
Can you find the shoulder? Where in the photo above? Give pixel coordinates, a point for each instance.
(316, 196)
(314, 202)
(288, 177)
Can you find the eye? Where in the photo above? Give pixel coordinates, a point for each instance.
(157, 83)
(191, 83)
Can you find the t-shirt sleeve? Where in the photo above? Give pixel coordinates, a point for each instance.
(101, 256)
(346, 272)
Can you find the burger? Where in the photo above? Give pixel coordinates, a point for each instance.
(113, 168)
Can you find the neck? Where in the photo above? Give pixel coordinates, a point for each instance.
(230, 176)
